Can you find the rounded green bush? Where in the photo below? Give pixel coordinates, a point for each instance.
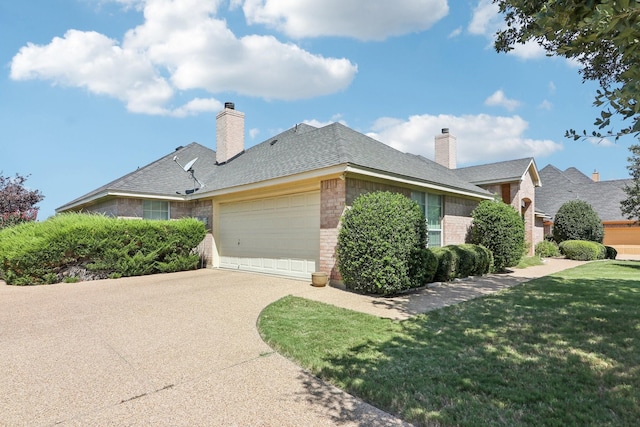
(583, 250)
(498, 227)
(379, 240)
(577, 220)
(547, 249)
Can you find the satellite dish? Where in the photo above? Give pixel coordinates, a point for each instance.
(188, 166)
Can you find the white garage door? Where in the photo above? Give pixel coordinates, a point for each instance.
(277, 235)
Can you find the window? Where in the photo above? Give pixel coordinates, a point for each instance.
(155, 209)
(431, 205)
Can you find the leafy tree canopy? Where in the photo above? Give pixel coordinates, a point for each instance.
(17, 202)
(603, 36)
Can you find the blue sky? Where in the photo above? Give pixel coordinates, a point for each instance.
(92, 89)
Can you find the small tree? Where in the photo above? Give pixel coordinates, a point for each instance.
(17, 203)
(631, 205)
(381, 243)
(498, 227)
(576, 220)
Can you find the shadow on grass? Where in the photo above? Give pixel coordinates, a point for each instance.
(556, 351)
(332, 402)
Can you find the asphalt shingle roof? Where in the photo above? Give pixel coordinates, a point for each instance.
(507, 171)
(301, 149)
(562, 186)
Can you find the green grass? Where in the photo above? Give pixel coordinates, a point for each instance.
(560, 350)
(529, 261)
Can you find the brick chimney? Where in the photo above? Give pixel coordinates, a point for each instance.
(229, 133)
(595, 176)
(445, 149)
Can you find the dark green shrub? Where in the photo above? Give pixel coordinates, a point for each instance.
(547, 249)
(447, 263)
(379, 238)
(612, 253)
(466, 260)
(97, 247)
(576, 220)
(457, 261)
(423, 266)
(483, 259)
(499, 228)
(582, 250)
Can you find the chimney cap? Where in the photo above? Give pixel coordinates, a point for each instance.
(445, 130)
(230, 105)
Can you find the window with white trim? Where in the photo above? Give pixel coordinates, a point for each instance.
(155, 209)
(431, 205)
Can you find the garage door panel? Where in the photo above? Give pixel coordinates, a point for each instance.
(279, 235)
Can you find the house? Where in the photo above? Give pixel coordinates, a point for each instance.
(275, 207)
(604, 196)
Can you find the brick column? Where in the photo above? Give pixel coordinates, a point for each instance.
(332, 205)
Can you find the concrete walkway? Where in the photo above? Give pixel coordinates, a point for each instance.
(181, 349)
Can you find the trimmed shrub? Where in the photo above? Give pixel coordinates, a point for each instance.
(424, 265)
(577, 220)
(447, 263)
(612, 253)
(380, 243)
(582, 250)
(546, 249)
(95, 246)
(484, 259)
(499, 228)
(456, 261)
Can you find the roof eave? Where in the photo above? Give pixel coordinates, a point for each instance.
(110, 193)
(413, 181)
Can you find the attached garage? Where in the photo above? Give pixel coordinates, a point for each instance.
(622, 235)
(276, 235)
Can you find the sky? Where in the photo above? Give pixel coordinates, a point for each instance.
(90, 90)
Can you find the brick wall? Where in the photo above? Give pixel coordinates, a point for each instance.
(332, 205)
(457, 219)
(121, 208)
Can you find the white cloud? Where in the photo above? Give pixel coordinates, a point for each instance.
(486, 18)
(601, 142)
(498, 98)
(481, 138)
(181, 46)
(545, 105)
(197, 106)
(486, 21)
(455, 33)
(372, 20)
(254, 132)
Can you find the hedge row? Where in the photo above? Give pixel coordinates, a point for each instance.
(456, 261)
(583, 250)
(95, 246)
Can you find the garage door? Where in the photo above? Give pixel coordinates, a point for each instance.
(626, 239)
(277, 235)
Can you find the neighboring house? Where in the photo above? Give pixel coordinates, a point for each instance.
(604, 196)
(275, 207)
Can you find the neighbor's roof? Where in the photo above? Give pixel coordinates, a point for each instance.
(507, 171)
(298, 150)
(571, 184)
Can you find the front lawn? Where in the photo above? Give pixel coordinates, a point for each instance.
(559, 350)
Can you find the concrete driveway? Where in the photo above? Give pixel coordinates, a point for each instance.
(176, 349)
